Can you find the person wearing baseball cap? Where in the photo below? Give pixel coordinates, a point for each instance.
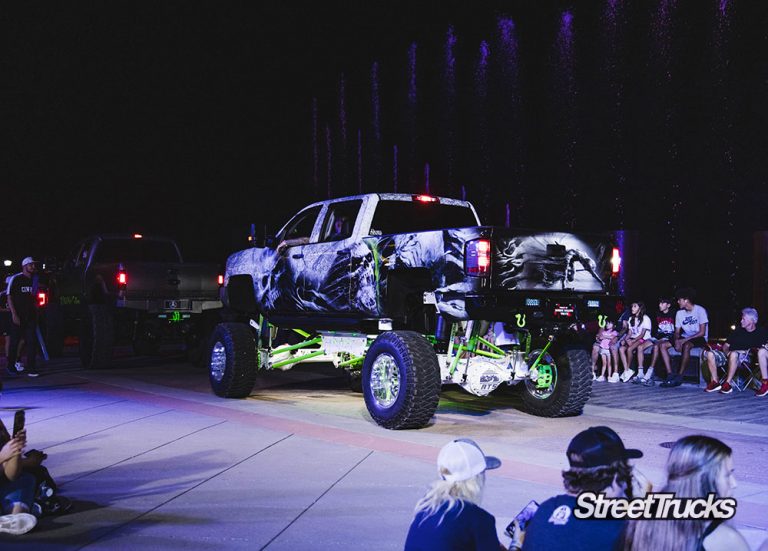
(449, 516)
(22, 302)
(599, 462)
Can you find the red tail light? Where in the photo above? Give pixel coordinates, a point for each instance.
(42, 298)
(122, 279)
(426, 199)
(220, 280)
(477, 258)
(615, 261)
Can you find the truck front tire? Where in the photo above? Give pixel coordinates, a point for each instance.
(233, 360)
(97, 336)
(571, 389)
(401, 380)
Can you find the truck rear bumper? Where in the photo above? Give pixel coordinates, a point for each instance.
(157, 306)
(535, 309)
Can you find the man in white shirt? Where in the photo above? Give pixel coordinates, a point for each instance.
(691, 330)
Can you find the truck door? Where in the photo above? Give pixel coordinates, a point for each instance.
(325, 285)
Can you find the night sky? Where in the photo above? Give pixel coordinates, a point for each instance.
(196, 119)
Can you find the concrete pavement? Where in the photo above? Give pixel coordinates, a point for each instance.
(152, 459)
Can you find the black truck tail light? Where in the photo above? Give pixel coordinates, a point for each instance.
(220, 280)
(122, 279)
(42, 298)
(477, 257)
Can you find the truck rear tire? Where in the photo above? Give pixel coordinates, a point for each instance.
(570, 390)
(401, 380)
(97, 336)
(233, 360)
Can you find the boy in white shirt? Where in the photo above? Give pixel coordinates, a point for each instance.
(691, 330)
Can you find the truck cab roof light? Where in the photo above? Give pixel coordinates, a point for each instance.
(426, 198)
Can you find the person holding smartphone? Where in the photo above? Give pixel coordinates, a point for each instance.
(449, 516)
(599, 463)
(17, 488)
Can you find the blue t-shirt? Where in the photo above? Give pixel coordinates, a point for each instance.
(466, 527)
(555, 527)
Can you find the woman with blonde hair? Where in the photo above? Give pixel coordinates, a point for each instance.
(449, 516)
(697, 466)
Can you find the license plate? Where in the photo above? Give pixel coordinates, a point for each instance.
(176, 304)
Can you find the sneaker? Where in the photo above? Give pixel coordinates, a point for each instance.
(17, 524)
(614, 378)
(600, 379)
(594, 377)
(627, 375)
(57, 505)
(713, 386)
(33, 374)
(668, 382)
(726, 388)
(648, 381)
(19, 367)
(762, 391)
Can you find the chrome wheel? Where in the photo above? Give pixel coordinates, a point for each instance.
(385, 380)
(218, 361)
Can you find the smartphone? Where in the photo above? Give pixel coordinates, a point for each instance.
(522, 519)
(4, 435)
(18, 422)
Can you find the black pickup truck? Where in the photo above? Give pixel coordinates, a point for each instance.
(134, 288)
(410, 292)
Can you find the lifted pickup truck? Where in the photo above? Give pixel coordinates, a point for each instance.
(135, 288)
(410, 292)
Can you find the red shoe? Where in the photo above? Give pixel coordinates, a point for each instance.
(713, 386)
(763, 390)
(726, 388)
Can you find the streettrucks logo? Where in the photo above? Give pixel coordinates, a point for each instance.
(654, 506)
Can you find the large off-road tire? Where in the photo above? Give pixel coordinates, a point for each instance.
(233, 360)
(97, 336)
(401, 380)
(570, 389)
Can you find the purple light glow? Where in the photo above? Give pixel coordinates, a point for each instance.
(450, 56)
(394, 168)
(723, 7)
(375, 101)
(343, 112)
(426, 178)
(506, 218)
(315, 153)
(412, 73)
(484, 53)
(359, 161)
(463, 193)
(507, 30)
(566, 29)
(329, 191)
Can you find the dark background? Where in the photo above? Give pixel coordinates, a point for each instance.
(196, 119)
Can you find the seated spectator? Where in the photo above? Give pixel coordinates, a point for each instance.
(735, 350)
(449, 516)
(691, 330)
(621, 326)
(697, 466)
(17, 489)
(639, 334)
(662, 335)
(599, 463)
(606, 337)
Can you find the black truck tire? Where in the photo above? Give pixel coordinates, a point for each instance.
(572, 387)
(97, 336)
(233, 360)
(401, 380)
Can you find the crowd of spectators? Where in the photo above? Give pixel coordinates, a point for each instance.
(619, 347)
(450, 515)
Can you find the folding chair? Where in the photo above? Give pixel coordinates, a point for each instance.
(744, 377)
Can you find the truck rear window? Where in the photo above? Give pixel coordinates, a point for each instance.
(136, 250)
(407, 217)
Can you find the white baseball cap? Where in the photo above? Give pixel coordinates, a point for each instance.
(28, 260)
(462, 459)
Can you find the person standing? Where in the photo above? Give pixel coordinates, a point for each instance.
(22, 302)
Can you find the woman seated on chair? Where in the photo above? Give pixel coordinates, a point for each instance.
(736, 350)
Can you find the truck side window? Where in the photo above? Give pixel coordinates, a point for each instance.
(340, 220)
(302, 225)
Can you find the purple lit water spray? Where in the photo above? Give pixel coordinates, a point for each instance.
(449, 109)
(343, 112)
(616, 160)
(375, 102)
(394, 168)
(329, 158)
(315, 153)
(567, 92)
(481, 125)
(426, 178)
(359, 161)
